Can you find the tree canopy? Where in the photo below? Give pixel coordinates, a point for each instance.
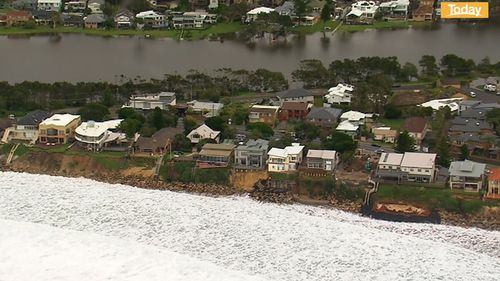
(405, 143)
(94, 111)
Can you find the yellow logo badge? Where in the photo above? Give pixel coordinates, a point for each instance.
(464, 10)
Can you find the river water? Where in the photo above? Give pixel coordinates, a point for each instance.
(56, 228)
(86, 58)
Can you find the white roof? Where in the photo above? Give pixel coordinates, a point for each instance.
(390, 159)
(294, 149)
(145, 14)
(284, 152)
(60, 119)
(205, 105)
(95, 129)
(323, 154)
(353, 115)
(439, 103)
(266, 107)
(49, 1)
(418, 160)
(382, 128)
(395, 3)
(347, 126)
(279, 152)
(205, 132)
(259, 10)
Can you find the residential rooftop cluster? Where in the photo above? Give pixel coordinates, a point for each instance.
(169, 14)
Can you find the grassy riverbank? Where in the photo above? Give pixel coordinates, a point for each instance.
(197, 34)
(433, 197)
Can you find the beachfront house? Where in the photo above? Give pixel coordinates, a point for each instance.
(494, 184)
(152, 19)
(215, 155)
(395, 9)
(410, 167)
(124, 19)
(285, 159)
(58, 129)
(93, 135)
(94, 21)
(26, 128)
(13, 18)
(159, 143)
(251, 155)
(192, 20)
(467, 175)
(253, 14)
(326, 160)
(362, 12)
(203, 132)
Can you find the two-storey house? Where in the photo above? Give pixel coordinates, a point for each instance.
(286, 159)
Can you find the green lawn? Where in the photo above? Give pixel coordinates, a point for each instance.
(393, 123)
(318, 27)
(217, 29)
(376, 25)
(440, 198)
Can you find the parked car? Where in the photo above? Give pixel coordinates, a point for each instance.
(490, 87)
(473, 95)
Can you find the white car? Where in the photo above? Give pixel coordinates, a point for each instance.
(490, 87)
(472, 94)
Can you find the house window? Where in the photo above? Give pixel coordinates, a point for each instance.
(411, 170)
(420, 170)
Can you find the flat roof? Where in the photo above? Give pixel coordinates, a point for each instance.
(95, 129)
(419, 160)
(390, 159)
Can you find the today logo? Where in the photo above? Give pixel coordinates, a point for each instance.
(464, 10)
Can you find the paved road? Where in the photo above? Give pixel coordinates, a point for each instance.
(368, 146)
(484, 96)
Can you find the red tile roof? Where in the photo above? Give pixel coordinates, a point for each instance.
(414, 125)
(18, 14)
(494, 174)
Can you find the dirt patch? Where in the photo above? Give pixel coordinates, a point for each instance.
(138, 171)
(408, 98)
(245, 180)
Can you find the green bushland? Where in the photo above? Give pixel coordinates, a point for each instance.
(435, 198)
(187, 173)
(326, 186)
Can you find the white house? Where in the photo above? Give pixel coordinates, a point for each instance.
(253, 14)
(203, 132)
(396, 8)
(322, 159)
(152, 18)
(95, 6)
(363, 10)
(49, 5)
(347, 127)
(92, 135)
(340, 94)
(162, 100)
(286, 159)
(452, 103)
(209, 109)
(355, 117)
